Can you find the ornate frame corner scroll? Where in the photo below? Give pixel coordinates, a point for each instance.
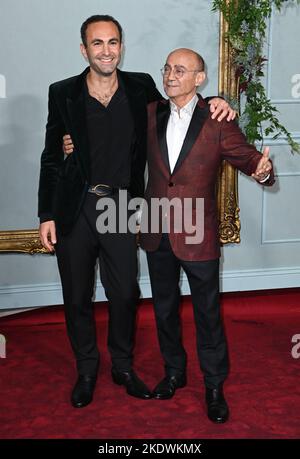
(22, 241)
(27, 241)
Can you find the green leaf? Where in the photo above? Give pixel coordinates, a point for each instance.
(247, 25)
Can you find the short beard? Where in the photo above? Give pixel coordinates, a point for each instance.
(102, 73)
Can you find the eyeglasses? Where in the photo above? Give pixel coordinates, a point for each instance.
(178, 71)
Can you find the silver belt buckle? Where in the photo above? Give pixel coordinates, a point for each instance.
(100, 192)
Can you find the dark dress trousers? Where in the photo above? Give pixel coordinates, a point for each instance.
(195, 175)
(63, 197)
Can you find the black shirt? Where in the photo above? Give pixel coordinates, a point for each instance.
(111, 139)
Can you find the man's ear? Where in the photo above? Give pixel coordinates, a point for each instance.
(200, 78)
(83, 51)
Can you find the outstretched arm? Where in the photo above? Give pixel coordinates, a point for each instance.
(244, 156)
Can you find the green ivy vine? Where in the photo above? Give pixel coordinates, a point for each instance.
(247, 25)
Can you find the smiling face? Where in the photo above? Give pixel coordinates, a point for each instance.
(103, 47)
(181, 89)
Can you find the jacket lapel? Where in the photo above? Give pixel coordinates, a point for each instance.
(77, 113)
(199, 116)
(162, 117)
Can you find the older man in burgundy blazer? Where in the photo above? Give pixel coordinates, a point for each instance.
(185, 150)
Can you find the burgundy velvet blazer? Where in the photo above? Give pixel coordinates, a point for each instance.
(195, 175)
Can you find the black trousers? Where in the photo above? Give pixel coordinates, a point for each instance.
(77, 254)
(203, 278)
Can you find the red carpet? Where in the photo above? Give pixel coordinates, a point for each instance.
(262, 390)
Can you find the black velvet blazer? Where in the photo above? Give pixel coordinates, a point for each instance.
(63, 182)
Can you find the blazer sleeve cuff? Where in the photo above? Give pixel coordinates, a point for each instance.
(45, 217)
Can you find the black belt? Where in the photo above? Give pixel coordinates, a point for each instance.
(104, 190)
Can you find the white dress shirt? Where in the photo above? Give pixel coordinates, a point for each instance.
(177, 128)
(178, 125)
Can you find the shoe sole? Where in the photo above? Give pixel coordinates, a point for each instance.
(221, 421)
(80, 406)
(157, 397)
(119, 383)
(147, 397)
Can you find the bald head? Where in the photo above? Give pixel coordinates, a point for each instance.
(184, 54)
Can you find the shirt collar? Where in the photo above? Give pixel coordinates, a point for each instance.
(186, 109)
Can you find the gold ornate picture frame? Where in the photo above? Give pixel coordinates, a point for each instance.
(27, 241)
(229, 228)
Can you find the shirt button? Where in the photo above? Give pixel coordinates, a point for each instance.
(171, 184)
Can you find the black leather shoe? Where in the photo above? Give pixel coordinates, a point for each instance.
(217, 408)
(167, 387)
(133, 384)
(82, 393)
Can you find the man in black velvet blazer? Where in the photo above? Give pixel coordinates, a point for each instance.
(104, 110)
(63, 183)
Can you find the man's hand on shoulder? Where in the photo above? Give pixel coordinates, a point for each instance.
(221, 109)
